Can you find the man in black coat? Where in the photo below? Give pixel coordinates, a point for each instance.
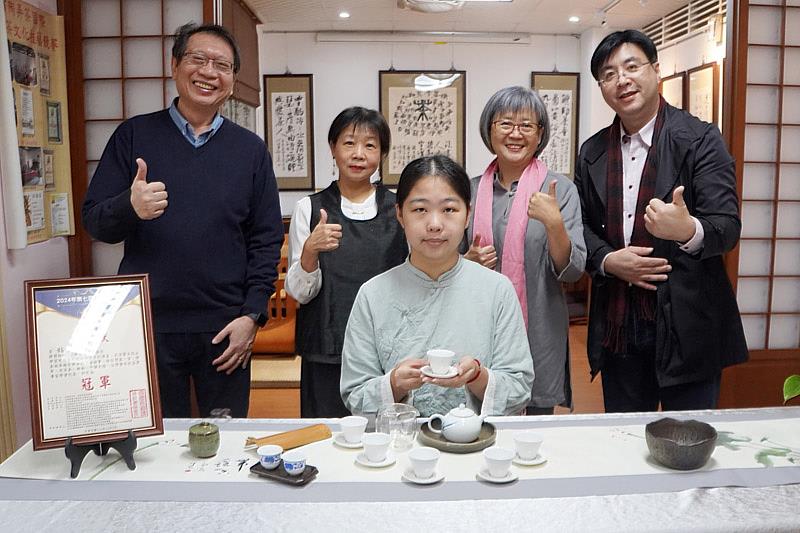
(659, 201)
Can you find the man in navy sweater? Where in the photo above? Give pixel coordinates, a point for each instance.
(194, 198)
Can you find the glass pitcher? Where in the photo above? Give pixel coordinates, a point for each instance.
(400, 422)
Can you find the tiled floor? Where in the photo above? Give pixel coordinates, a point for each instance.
(275, 393)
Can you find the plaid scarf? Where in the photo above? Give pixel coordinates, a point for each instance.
(643, 301)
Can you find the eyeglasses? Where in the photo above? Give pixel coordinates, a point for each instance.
(196, 59)
(506, 127)
(630, 70)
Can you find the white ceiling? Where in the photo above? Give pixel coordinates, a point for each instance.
(526, 16)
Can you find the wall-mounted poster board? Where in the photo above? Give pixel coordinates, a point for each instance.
(289, 129)
(38, 82)
(703, 91)
(91, 360)
(425, 111)
(560, 93)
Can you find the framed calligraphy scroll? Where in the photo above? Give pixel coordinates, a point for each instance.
(425, 112)
(560, 93)
(703, 92)
(91, 360)
(289, 129)
(673, 89)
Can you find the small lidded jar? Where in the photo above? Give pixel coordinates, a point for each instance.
(204, 439)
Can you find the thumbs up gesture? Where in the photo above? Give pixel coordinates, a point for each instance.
(484, 255)
(544, 206)
(671, 221)
(149, 200)
(324, 238)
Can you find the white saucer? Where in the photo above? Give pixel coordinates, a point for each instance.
(339, 440)
(539, 459)
(428, 371)
(388, 461)
(409, 476)
(486, 476)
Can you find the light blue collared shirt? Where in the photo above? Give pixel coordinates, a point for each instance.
(187, 130)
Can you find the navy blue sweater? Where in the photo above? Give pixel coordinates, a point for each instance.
(212, 255)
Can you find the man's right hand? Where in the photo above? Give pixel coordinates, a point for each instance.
(149, 200)
(484, 255)
(631, 264)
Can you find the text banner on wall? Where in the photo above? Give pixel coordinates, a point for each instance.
(38, 80)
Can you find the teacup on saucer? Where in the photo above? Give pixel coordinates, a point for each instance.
(485, 475)
(411, 477)
(339, 440)
(539, 459)
(428, 371)
(363, 460)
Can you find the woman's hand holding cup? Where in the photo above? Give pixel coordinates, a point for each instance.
(467, 367)
(406, 377)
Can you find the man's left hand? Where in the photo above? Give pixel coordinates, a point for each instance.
(240, 332)
(671, 222)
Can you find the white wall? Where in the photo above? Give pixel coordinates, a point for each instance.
(346, 74)
(44, 260)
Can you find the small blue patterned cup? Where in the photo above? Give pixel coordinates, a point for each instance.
(270, 456)
(294, 462)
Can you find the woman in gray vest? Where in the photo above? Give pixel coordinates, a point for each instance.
(339, 238)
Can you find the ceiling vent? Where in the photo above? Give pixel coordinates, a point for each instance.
(430, 6)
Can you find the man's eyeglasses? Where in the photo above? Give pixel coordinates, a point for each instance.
(506, 126)
(630, 70)
(196, 59)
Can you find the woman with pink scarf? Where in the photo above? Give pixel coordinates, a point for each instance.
(526, 223)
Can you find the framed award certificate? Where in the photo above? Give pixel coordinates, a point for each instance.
(91, 360)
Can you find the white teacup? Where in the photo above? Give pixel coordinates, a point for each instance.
(423, 461)
(269, 455)
(353, 428)
(527, 444)
(376, 445)
(498, 460)
(294, 462)
(440, 360)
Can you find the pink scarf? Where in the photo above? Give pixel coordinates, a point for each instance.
(513, 264)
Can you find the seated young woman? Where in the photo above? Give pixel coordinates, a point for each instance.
(436, 299)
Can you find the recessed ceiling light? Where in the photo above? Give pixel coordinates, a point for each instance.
(574, 19)
(344, 15)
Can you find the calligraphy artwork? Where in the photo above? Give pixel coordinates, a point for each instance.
(289, 129)
(91, 358)
(559, 92)
(672, 88)
(703, 90)
(425, 113)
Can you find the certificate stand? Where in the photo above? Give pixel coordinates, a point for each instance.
(77, 452)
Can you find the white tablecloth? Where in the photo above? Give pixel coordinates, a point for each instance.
(758, 499)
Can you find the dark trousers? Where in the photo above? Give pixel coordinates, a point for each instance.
(319, 390)
(538, 411)
(188, 355)
(630, 384)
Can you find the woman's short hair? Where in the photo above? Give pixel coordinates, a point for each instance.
(514, 100)
(439, 166)
(356, 117)
(183, 34)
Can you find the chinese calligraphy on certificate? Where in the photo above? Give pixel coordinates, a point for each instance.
(92, 361)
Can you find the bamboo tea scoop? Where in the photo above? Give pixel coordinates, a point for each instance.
(294, 438)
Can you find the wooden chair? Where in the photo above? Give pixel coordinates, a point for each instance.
(277, 336)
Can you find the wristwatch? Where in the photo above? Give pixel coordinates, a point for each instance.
(258, 318)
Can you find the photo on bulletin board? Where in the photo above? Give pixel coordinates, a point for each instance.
(425, 111)
(289, 129)
(54, 122)
(560, 92)
(703, 92)
(91, 360)
(673, 88)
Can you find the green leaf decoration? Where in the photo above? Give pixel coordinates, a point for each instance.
(791, 388)
(763, 458)
(730, 440)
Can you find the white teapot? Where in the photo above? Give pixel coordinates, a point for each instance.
(461, 424)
